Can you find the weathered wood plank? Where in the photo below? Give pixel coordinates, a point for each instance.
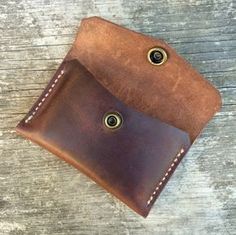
(39, 194)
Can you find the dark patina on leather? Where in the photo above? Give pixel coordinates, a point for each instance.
(134, 161)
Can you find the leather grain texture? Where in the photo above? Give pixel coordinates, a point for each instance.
(164, 108)
(173, 92)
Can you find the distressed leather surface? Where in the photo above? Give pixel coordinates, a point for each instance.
(173, 92)
(164, 109)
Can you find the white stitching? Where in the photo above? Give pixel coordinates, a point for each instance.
(45, 96)
(165, 176)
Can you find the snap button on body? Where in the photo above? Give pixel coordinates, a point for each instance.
(157, 56)
(113, 120)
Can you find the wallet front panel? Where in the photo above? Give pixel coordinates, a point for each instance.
(133, 162)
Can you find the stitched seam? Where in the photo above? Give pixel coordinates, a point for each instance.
(35, 110)
(173, 163)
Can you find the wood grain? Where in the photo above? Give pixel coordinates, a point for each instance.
(39, 194)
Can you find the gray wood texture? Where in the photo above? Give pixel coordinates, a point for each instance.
(40, 194)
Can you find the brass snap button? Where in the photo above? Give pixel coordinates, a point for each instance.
(113, 120)
(157, 56)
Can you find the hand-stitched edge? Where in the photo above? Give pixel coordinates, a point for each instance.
(174, 162)
(35, 110)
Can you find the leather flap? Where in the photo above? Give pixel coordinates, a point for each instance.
(173, 92)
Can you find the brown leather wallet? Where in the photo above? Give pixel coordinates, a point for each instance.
(123, 108)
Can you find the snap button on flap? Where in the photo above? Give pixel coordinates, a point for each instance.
(157, 56)
(113, 120)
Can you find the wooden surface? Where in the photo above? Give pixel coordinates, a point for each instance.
(40, 194)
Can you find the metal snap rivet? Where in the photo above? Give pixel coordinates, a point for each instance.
(157, 56)
(113, 120)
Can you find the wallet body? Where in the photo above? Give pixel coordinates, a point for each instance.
(161, 118)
